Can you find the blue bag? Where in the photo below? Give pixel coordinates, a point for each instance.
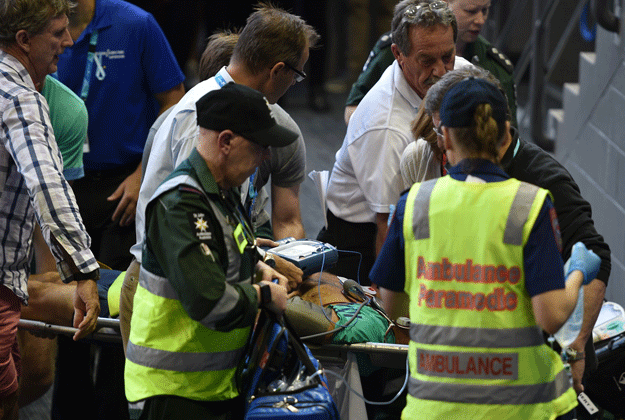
(281, 378)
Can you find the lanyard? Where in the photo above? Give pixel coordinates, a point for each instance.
(236, 208)
(93, 41)
(252, 194)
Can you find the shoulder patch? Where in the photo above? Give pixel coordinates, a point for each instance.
(190, 189)
(200, 226)
(555, 226)
(501, 59)
(384, 41)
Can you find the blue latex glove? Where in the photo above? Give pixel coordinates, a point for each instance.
(584, 260)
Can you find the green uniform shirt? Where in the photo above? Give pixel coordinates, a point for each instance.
(69, 118)
(481, 53)
(379, 59)
(185, 244)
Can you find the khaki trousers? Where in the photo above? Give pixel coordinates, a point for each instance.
(126, 299)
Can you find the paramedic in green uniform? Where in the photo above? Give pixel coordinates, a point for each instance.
(471, 16)
(197, 298)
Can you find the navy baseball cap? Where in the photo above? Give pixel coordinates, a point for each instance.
(459, 103)
(246, 112)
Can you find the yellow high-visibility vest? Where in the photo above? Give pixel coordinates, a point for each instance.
(169, 353)
(476, 351)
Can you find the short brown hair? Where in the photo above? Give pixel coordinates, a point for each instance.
(217, 53)
(272, 35)
(33, 16)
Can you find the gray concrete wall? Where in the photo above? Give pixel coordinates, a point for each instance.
(591, 144)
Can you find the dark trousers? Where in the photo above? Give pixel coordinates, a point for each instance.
(110, 243)
(356, 245)
(89, 384)
(168, 407)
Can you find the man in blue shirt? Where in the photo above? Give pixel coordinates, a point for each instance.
(123, 68)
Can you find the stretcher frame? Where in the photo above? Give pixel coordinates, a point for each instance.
(107, 330)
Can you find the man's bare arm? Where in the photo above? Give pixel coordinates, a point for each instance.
(286, 217)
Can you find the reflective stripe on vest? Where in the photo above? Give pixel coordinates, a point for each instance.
(233, 273)
(160, 286)
(476, 337)
(517, 217)
(519, 213)
(498, 365)
(183, 362)
(485, 394)
(192, 360)
(421, 215)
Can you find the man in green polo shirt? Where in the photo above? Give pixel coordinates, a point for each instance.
(471, 16)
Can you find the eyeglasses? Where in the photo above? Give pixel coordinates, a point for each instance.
(438, 131)
(299, 75)
(411, 12)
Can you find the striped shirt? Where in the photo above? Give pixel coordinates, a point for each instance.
(32, 185)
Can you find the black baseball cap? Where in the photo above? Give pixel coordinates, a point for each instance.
(459, 103)
(246, 112)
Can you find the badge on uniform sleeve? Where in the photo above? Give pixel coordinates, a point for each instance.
(200, 226)
(207, 251)
(555, 226)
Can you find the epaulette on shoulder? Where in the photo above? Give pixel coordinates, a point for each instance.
(500, 58)
(384, 41)
(186, 188)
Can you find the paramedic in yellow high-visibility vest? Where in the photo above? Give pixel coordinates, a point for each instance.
(481, 274)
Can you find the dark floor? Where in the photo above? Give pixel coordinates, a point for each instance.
(323, 134)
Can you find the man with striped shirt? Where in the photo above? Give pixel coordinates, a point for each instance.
(32, 35)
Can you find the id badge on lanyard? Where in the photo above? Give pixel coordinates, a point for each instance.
(86, 80)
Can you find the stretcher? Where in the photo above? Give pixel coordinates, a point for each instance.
(107, 330)
(339, 359)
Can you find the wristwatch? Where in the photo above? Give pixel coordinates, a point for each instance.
(571, 355)
(265, 294)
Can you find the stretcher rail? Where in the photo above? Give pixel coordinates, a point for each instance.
(380, 354)
(107, 329)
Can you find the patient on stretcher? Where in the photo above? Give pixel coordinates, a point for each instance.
(318, 305)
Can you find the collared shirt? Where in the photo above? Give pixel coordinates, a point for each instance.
(480, 52)
(32, 184)
(365, 179)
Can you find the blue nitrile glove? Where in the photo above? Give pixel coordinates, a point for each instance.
(584, 260)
